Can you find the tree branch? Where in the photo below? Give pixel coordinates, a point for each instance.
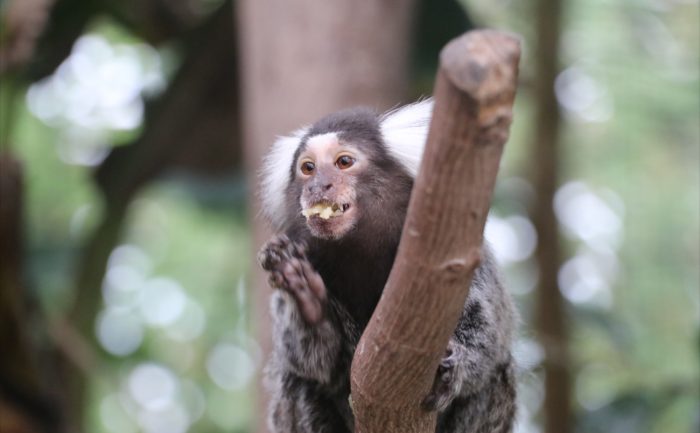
(398, 355)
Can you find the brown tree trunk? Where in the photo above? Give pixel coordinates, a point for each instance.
(301, 59)
(551, 322)
(26, 406)
(397, 357)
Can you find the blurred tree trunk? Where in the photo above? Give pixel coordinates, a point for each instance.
(26, 406)
(551, 324)
(22, 24)
(301, 59)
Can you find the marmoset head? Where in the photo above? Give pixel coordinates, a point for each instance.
(347, 171)
(328, 169)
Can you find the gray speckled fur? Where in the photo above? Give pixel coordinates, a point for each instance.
(308, 373)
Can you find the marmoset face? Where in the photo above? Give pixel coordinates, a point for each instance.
(328, 169)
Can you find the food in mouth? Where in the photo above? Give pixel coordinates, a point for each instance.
(325, 210)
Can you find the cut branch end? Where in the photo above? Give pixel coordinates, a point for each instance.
(483, 64)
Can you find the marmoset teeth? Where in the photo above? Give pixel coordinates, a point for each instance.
(323, 210)
(326, 213)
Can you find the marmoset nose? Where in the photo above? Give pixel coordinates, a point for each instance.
(321, 183)
(319, 188)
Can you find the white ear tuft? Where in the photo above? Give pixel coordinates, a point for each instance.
(405, 131)
(275, 173)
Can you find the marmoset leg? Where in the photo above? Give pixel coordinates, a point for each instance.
(302, 406)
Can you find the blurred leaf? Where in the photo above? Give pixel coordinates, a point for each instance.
(633, 411)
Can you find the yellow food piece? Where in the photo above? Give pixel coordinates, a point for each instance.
(324, 211)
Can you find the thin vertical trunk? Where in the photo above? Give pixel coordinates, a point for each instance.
(301, 59)
(551, 320)
(25, 403)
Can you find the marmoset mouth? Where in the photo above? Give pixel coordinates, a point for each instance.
(326, 210)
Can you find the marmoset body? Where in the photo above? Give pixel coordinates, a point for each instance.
(337, 193)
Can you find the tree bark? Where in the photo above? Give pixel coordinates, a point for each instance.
(300, 60)
(23, 21)
(397, 357)
(551, 324)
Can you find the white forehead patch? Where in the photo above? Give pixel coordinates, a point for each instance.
(322, 145)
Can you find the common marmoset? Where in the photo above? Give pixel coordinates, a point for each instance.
(337, 194)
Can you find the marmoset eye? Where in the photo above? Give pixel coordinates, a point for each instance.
(307, 167)
(344, 161)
